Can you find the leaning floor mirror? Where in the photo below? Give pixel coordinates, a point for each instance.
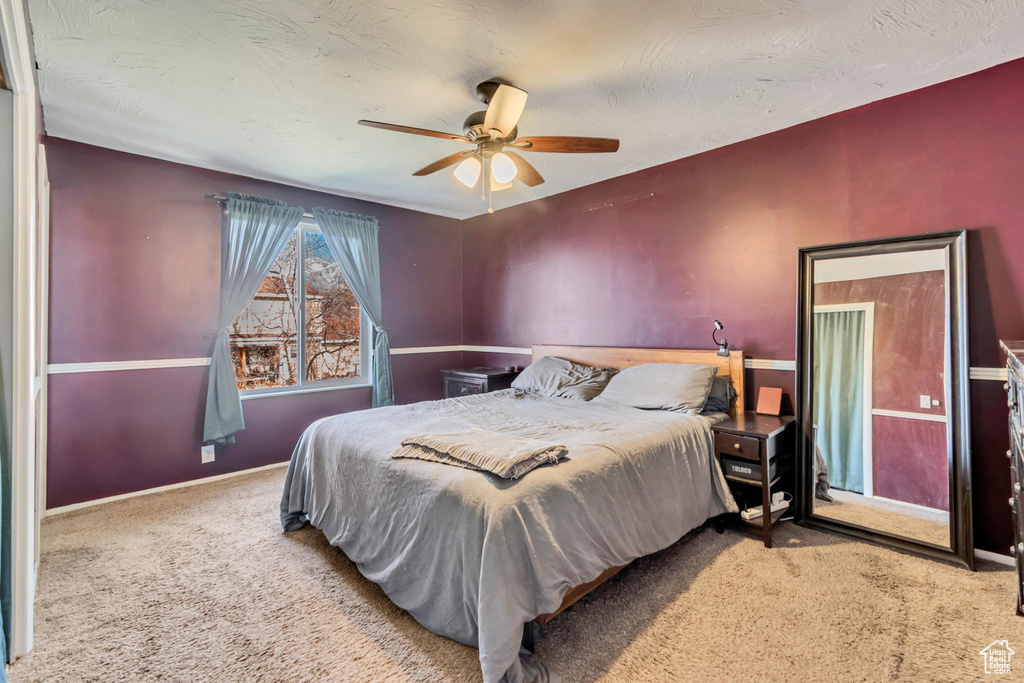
(883, 413)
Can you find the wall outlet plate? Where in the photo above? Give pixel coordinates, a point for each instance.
(926, 401)
(208, 453)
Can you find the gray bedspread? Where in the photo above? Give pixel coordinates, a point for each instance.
(472, 556)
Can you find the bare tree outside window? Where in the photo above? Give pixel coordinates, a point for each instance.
(266, 337)
(332, 316)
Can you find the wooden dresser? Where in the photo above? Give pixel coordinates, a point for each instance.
(1015, 401)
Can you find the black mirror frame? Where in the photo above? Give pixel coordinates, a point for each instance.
(961, 550)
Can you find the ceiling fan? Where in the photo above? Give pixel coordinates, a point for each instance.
(491, 132)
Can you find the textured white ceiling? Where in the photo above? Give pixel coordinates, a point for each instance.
(273, 88)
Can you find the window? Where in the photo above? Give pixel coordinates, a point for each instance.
(304, 328)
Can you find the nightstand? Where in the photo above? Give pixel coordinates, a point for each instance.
(476, 381)
(755, 444)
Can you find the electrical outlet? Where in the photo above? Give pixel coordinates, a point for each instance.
(208, 454)
(926, 401)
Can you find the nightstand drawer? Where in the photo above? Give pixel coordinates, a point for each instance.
(468, 381)
(738, 446)
(463, 387)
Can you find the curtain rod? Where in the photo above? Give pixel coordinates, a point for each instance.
(219, 198)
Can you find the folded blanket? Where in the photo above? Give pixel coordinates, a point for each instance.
(507, 456)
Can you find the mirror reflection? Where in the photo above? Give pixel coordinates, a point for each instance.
(880, 344)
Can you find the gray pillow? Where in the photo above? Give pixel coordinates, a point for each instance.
(558, 377)
(662, 386)
(720, 397)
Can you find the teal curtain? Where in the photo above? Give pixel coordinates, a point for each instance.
(353, 241)
(839, 396)
(256, 231)
(5, 535)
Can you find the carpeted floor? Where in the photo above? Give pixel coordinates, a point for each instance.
(891, 517)
(199, 584)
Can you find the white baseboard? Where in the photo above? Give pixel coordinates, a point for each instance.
(993, 557)
(159, 489)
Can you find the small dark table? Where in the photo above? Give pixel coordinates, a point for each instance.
(761, 440)
(466, 381)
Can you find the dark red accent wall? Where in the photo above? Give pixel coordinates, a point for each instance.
(651, 258)
(135, 275)
(910, 461)
(908, 360)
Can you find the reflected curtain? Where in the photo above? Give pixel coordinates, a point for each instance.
(256, 230)
(353, 241)
(839, 395)
(5, 534)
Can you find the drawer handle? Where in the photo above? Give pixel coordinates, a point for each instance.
(1017, 549)
(464, 390)
(1006, 387)
(737, 446)
(1016, 487)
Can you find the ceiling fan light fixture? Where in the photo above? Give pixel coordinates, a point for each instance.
(468, 172)
(503, 168)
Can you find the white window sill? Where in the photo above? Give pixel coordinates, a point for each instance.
(303, 390)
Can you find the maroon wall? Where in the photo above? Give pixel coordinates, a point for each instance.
(908, 360)
(908, 356)
(135, 275)
(651, 258)
(910, 461)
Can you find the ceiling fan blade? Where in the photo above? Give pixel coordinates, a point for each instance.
(524, 171)
(566, 144)
(504, 110)
(414, 131)
(445, 163)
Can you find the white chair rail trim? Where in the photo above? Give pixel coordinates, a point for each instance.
(111, 365)
(927, 417)
(989, 374)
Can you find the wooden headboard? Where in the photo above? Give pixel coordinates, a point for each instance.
(730, 366)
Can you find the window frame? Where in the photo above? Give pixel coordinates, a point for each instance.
(302, 385)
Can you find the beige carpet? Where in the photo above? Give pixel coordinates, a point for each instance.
(890, 517)
(200, 584)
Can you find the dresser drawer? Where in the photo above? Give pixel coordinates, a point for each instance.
(458, 386)
(1015, 398)
(738, 446)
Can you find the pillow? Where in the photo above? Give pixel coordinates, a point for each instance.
(662, 386)
(558, 377)
(720, 397)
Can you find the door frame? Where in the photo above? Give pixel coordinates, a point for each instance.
(20, 63)
(868, 456)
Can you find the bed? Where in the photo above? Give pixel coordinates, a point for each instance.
(474, 557)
